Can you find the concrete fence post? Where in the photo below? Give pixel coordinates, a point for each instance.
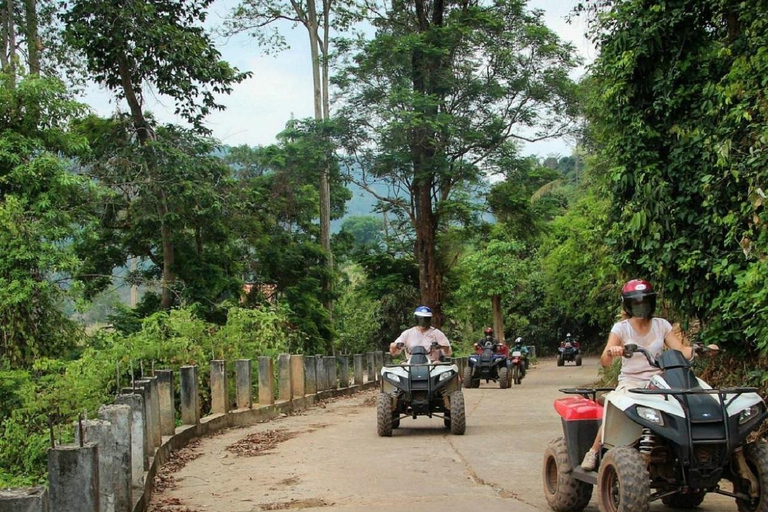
(310, 375)
(153, 401)
(358, 364)
(73, 478)
(32, 499)
(147, 415)
(190, 396)
(378, 360)
(115, 466)
(284, 379)
(138, 435)
(297, 376)
(266, 381)
(333, 372)
(387, 358)
(244, 383)
(369, 367)
(343, 365)
(320, 373)
(165, 395)
(219, 389)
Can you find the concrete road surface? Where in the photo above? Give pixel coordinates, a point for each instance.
(333, 459)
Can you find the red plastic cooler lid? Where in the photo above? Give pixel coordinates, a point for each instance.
(577, 408)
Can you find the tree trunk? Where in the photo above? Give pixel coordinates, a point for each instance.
(34, 44)
(166, 298)
(423, 146)
(4, 57)
(144, 133)
(430, 277)
(324, 185)
(10, 27)
(498, 321)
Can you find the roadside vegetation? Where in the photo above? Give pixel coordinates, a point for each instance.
(225, 250)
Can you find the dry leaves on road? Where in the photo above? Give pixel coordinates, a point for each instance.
(260, 443)
(170, 505)
(164, 478)
(296, 504)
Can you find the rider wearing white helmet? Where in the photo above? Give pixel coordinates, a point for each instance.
(423, 335)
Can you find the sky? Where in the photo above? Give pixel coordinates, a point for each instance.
(281, 85)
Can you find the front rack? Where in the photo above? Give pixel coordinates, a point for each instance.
(722, 395)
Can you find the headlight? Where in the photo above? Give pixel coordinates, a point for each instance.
(748, 413)
(392, 376)
(445, 376)
(650, 415)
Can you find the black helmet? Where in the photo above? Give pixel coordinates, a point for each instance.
(518, 341)
(638, 298)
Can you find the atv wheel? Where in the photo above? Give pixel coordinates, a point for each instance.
(563, 492)
(578, 360)
(476, 383)
(560, 361)
(757, 460)
(458, 420)
(516, 374)
(679, 500)
(384, 421)
(468, 377)
(447, 422)
(623, 483)
(504, 377)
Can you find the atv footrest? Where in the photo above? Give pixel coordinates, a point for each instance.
(582, 475)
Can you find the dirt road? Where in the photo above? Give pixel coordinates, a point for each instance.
(330, 458)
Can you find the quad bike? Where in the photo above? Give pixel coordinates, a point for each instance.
(490, 365)
(517, 365)
(671, 441)
(420, 388)
(569, 351)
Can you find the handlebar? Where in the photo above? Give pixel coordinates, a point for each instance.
(631, 348)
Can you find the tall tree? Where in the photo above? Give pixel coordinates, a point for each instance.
(441, 88)
(133, 45)
(43, 208)
(289, 255)
(257, 17)
(201, 199)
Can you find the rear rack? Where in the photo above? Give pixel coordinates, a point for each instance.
(589, 393)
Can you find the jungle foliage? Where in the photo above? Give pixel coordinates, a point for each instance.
(677, 115)
(668, 184)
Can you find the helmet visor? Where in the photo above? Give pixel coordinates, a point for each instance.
(423, 321)
(641, 307)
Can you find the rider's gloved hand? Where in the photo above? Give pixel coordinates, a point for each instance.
(710, 350)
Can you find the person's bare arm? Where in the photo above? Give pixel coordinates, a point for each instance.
(613, 348)
(444, 344)
(674, 342)
(395, 347)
